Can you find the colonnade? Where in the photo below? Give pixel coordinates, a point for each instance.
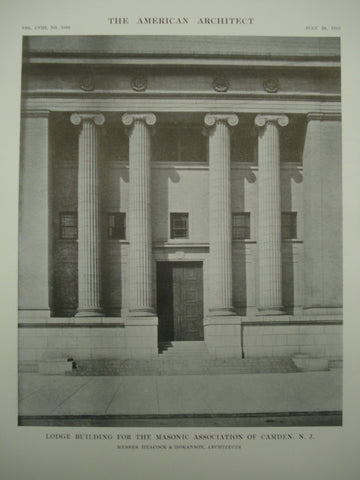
(139, 127)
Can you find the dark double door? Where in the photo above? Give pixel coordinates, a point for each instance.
(180, 301)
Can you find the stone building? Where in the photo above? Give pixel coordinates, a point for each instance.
(180, 189)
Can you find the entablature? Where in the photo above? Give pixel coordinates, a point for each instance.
(61, 103)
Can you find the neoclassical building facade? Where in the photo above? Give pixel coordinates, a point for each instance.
(180, 189)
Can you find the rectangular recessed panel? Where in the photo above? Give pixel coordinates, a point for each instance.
(190, 295)
(188, 301)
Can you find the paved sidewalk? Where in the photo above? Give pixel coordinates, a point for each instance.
(56, 395)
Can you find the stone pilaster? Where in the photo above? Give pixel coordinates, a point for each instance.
(89, 236)
(220, 213)
(269, 216)
(322, 215)
(34, 228)
(140, 256)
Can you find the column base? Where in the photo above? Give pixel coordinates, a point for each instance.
(221, 312)
(141, 312)
(91, 312)
(270, 311)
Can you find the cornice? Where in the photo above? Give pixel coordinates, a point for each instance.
(185, 62)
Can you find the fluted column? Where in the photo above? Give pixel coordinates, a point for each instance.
(140, 255)
(220, 213)
(89, 237)
(269, 227)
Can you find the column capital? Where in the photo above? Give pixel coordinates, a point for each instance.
(129, 118)
(262, 119)
(35, 113)
(212, 118)
(323, 116)
(97, 118)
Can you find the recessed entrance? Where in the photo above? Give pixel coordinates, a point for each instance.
(180, 301)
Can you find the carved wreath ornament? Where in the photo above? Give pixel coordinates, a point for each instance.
(87, 83)
(221, 84)
(271, 85)
(139, 84)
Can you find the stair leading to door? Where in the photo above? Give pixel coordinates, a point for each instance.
(184, 358)
(182, 348)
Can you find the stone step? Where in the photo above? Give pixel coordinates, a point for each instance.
(193, 346)
(184, 344)
(184, 354)
(184, 366)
